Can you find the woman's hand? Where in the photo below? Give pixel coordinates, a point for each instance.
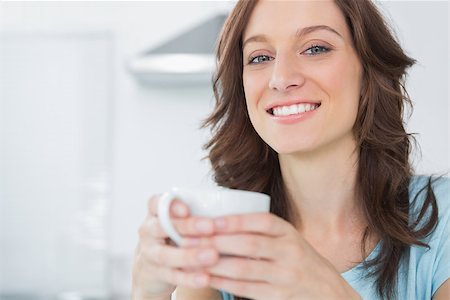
(158, 266)
(265, 257)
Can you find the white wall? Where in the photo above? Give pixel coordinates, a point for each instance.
(155, 142)
(423, 30)
(55, 165)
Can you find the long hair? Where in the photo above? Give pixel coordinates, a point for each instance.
(240, 159)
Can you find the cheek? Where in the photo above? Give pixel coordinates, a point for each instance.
(254, 86)
(247, 89)
(343, 83)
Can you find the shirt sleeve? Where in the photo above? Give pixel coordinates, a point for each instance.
(442, 261)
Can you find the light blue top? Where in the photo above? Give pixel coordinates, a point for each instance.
(423, 270)
(226, 296)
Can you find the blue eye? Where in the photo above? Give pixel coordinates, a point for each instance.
(316, 50)
(259, 59)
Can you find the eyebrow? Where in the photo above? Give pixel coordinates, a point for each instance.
(298, 34)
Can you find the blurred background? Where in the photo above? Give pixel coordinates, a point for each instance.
(100, 107)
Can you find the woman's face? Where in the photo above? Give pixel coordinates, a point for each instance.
(301, 75)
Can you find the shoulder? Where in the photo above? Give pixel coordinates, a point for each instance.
(431, 263)
(440, 186)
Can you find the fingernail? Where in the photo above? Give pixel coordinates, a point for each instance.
(220, 223)
(204, 226)
(180, 210)
(206, 256)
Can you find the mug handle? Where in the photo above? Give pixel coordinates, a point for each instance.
(164, 216)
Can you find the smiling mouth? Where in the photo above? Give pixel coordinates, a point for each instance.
(295, 109)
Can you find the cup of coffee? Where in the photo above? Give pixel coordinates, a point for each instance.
(211, 202)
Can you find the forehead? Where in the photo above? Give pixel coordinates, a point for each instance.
(286, 17)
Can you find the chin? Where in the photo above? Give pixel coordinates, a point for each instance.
(290, 148)
(292, 142)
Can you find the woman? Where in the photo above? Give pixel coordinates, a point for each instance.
(309, 110)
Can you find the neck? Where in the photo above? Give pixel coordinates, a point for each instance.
(322, 186)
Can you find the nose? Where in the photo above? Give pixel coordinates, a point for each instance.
(286, 74)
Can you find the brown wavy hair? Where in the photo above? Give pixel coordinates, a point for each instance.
(240, 159)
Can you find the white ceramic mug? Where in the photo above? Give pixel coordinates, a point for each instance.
(212, 202)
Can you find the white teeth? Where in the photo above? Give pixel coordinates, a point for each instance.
(301, 108)
(294, 109)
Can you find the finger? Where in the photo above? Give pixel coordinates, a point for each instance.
(250, 245)
(152, 205)
(246, 289)
(196, 279)
(262, 223)
(246, 269)
(154, 229)
(194, 226)
(177, 208)
(163, 255)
